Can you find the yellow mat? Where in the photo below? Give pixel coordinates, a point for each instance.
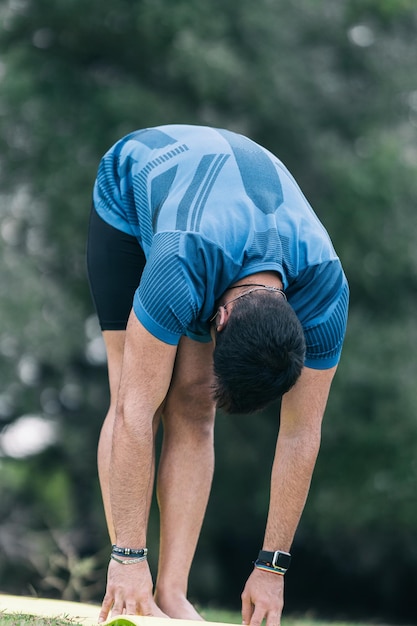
(85, 614)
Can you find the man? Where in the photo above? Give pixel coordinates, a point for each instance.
(214, 283)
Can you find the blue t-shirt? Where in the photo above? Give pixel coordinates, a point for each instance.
(210, 207)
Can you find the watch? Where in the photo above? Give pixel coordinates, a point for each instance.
(277, 560)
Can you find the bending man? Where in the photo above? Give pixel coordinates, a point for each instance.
(215, 285)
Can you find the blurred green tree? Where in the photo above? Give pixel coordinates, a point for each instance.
(329, 87)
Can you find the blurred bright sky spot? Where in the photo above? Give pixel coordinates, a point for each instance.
(28, 435)
(95, 350)
(361, 35)
(28, 370)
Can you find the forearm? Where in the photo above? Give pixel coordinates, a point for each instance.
(298, 443)
(146, 374)
(131, 479)
(290, 483)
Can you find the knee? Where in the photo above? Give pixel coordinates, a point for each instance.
(193, 407)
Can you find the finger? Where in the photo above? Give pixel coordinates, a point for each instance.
(257, 616)
(247, 608)
(118, 609)
(105, 608)
(273, 618)
(131, 608)
(151, 609)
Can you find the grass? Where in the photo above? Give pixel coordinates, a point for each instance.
(235, 618)
(19, 619)
(210, 615)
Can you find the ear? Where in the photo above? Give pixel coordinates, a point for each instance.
(222, 317)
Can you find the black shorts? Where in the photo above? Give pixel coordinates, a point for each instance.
(115, 263)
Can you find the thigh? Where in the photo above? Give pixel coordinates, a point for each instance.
(115, 262)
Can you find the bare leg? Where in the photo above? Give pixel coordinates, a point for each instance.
(185, 474)
(114, 340)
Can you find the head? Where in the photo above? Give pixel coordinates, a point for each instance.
(259, 354)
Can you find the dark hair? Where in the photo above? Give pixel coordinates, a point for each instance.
(259, 354)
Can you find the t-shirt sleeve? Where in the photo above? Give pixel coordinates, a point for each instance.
(164, 302)
(321, 299)
(183, 277)
(324, 341)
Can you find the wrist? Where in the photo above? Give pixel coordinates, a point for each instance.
(276, 562)
(135, 552)
(128, 556)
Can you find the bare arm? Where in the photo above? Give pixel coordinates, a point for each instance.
(297, 447)
(146, 375)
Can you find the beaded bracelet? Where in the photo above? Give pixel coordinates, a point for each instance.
(141, 552)
(128, 561)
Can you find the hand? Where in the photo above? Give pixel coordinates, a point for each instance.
(263, 597)
(129, 591)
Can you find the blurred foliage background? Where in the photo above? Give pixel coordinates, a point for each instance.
(331, 88)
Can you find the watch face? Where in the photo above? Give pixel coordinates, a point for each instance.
(282, 560)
